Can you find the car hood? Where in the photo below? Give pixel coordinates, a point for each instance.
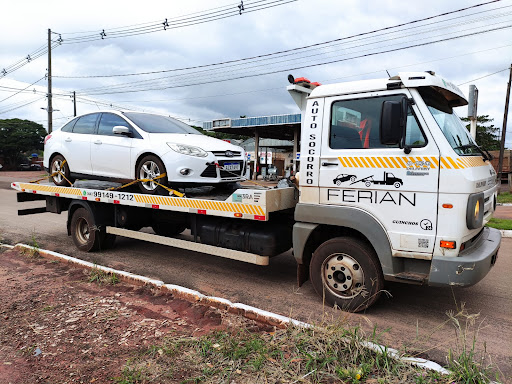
(204, 142)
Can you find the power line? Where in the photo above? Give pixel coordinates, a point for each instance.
(248, 66)
(21, 90)
(130, 31)
(305, 66)
(292, 49)
(483, 77)
(21, 106)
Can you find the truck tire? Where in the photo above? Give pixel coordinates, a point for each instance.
(347, 273)
(86, 236)
(168, 229)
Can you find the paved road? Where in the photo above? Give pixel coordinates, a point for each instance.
(411, 310)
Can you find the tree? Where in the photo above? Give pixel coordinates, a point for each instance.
(18, 136)
(487, 136)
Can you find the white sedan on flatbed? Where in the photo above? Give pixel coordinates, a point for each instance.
(113, 145)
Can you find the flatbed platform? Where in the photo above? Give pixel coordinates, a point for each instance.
(243, 203)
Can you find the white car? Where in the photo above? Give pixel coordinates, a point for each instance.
(131, 145)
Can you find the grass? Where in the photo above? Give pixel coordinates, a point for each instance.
(500, 224)
(34, 251)
(505, 197)
(99, 276)
(327, 353)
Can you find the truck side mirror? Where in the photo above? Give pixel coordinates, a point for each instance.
(393, 122)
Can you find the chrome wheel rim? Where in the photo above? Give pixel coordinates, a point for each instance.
(149, 170)
(56, 167)
(82, 230)
(343, 275)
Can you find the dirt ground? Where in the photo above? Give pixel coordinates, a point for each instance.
(57, 327)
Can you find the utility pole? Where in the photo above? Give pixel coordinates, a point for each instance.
(50, 109)
(504, 127)
(74, 103)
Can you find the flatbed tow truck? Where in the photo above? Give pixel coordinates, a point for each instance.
(347, 239)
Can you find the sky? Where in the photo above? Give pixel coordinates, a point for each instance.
(217, 62)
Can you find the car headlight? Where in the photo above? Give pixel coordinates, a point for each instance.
(475, 211)
(188, 150)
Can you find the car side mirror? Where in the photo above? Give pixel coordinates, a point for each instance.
(121, 130)
(393, 123)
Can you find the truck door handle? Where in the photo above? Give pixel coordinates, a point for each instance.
(68, 139)
(328, 164)
(97, 142)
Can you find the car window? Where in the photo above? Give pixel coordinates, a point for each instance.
(159, 124)
(355, 124)
(86, 124)
(69, 126)
(109, 121)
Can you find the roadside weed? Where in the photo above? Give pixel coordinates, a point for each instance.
(34, 251)
(99, 276)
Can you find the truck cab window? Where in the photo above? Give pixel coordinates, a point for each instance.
(355, 124)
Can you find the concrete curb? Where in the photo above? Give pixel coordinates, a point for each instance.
(506, 233)
(247, 311)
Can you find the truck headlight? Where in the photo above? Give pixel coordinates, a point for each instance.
(188, 150)
(475, 211)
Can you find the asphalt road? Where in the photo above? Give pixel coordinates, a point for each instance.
(412, 315)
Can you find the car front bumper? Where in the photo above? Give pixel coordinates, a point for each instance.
(471, 266)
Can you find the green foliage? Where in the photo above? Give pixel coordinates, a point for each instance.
(505, 198)
(487, 135)
(500, 224)
(18, 136)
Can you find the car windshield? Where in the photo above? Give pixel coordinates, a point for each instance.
(451, 125)
(159, 124)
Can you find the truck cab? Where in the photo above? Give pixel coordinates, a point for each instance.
(417, 197)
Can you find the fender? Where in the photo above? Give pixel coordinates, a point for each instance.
(309, 216)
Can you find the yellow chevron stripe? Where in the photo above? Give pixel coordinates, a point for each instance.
(342, 162)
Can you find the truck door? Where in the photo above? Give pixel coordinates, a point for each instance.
(400, 190)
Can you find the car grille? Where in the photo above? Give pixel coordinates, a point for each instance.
(211, 170)
(223, 153)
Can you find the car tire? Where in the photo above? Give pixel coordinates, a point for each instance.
(338, 182)
(147, 168)
(353, 178)
(347, 273)
(56, 165)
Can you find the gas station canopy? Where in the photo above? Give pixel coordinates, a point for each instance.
(274, 127)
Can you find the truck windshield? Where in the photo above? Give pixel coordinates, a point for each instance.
(451, 125)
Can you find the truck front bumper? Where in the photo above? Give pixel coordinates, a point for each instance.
(471, 266)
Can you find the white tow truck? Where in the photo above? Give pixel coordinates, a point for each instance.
(391, 187)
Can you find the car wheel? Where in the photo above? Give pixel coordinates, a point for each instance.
(367, 183)
(353, 178)
(57, 164)
(150, 167)
(338, 182)
(347, 273)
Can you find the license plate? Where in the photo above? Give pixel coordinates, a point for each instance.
(231, 166)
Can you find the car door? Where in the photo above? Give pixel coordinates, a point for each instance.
(78, 144)
(356, 169)
(110, 152)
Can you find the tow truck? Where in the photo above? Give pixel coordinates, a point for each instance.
(347, 240)
(389, 179)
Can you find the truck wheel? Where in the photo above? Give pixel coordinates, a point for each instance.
(367, 183)
(397, 184)
(168, 229)
(347, 273)
(56, 165)
(150, 167)
(83, 231)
